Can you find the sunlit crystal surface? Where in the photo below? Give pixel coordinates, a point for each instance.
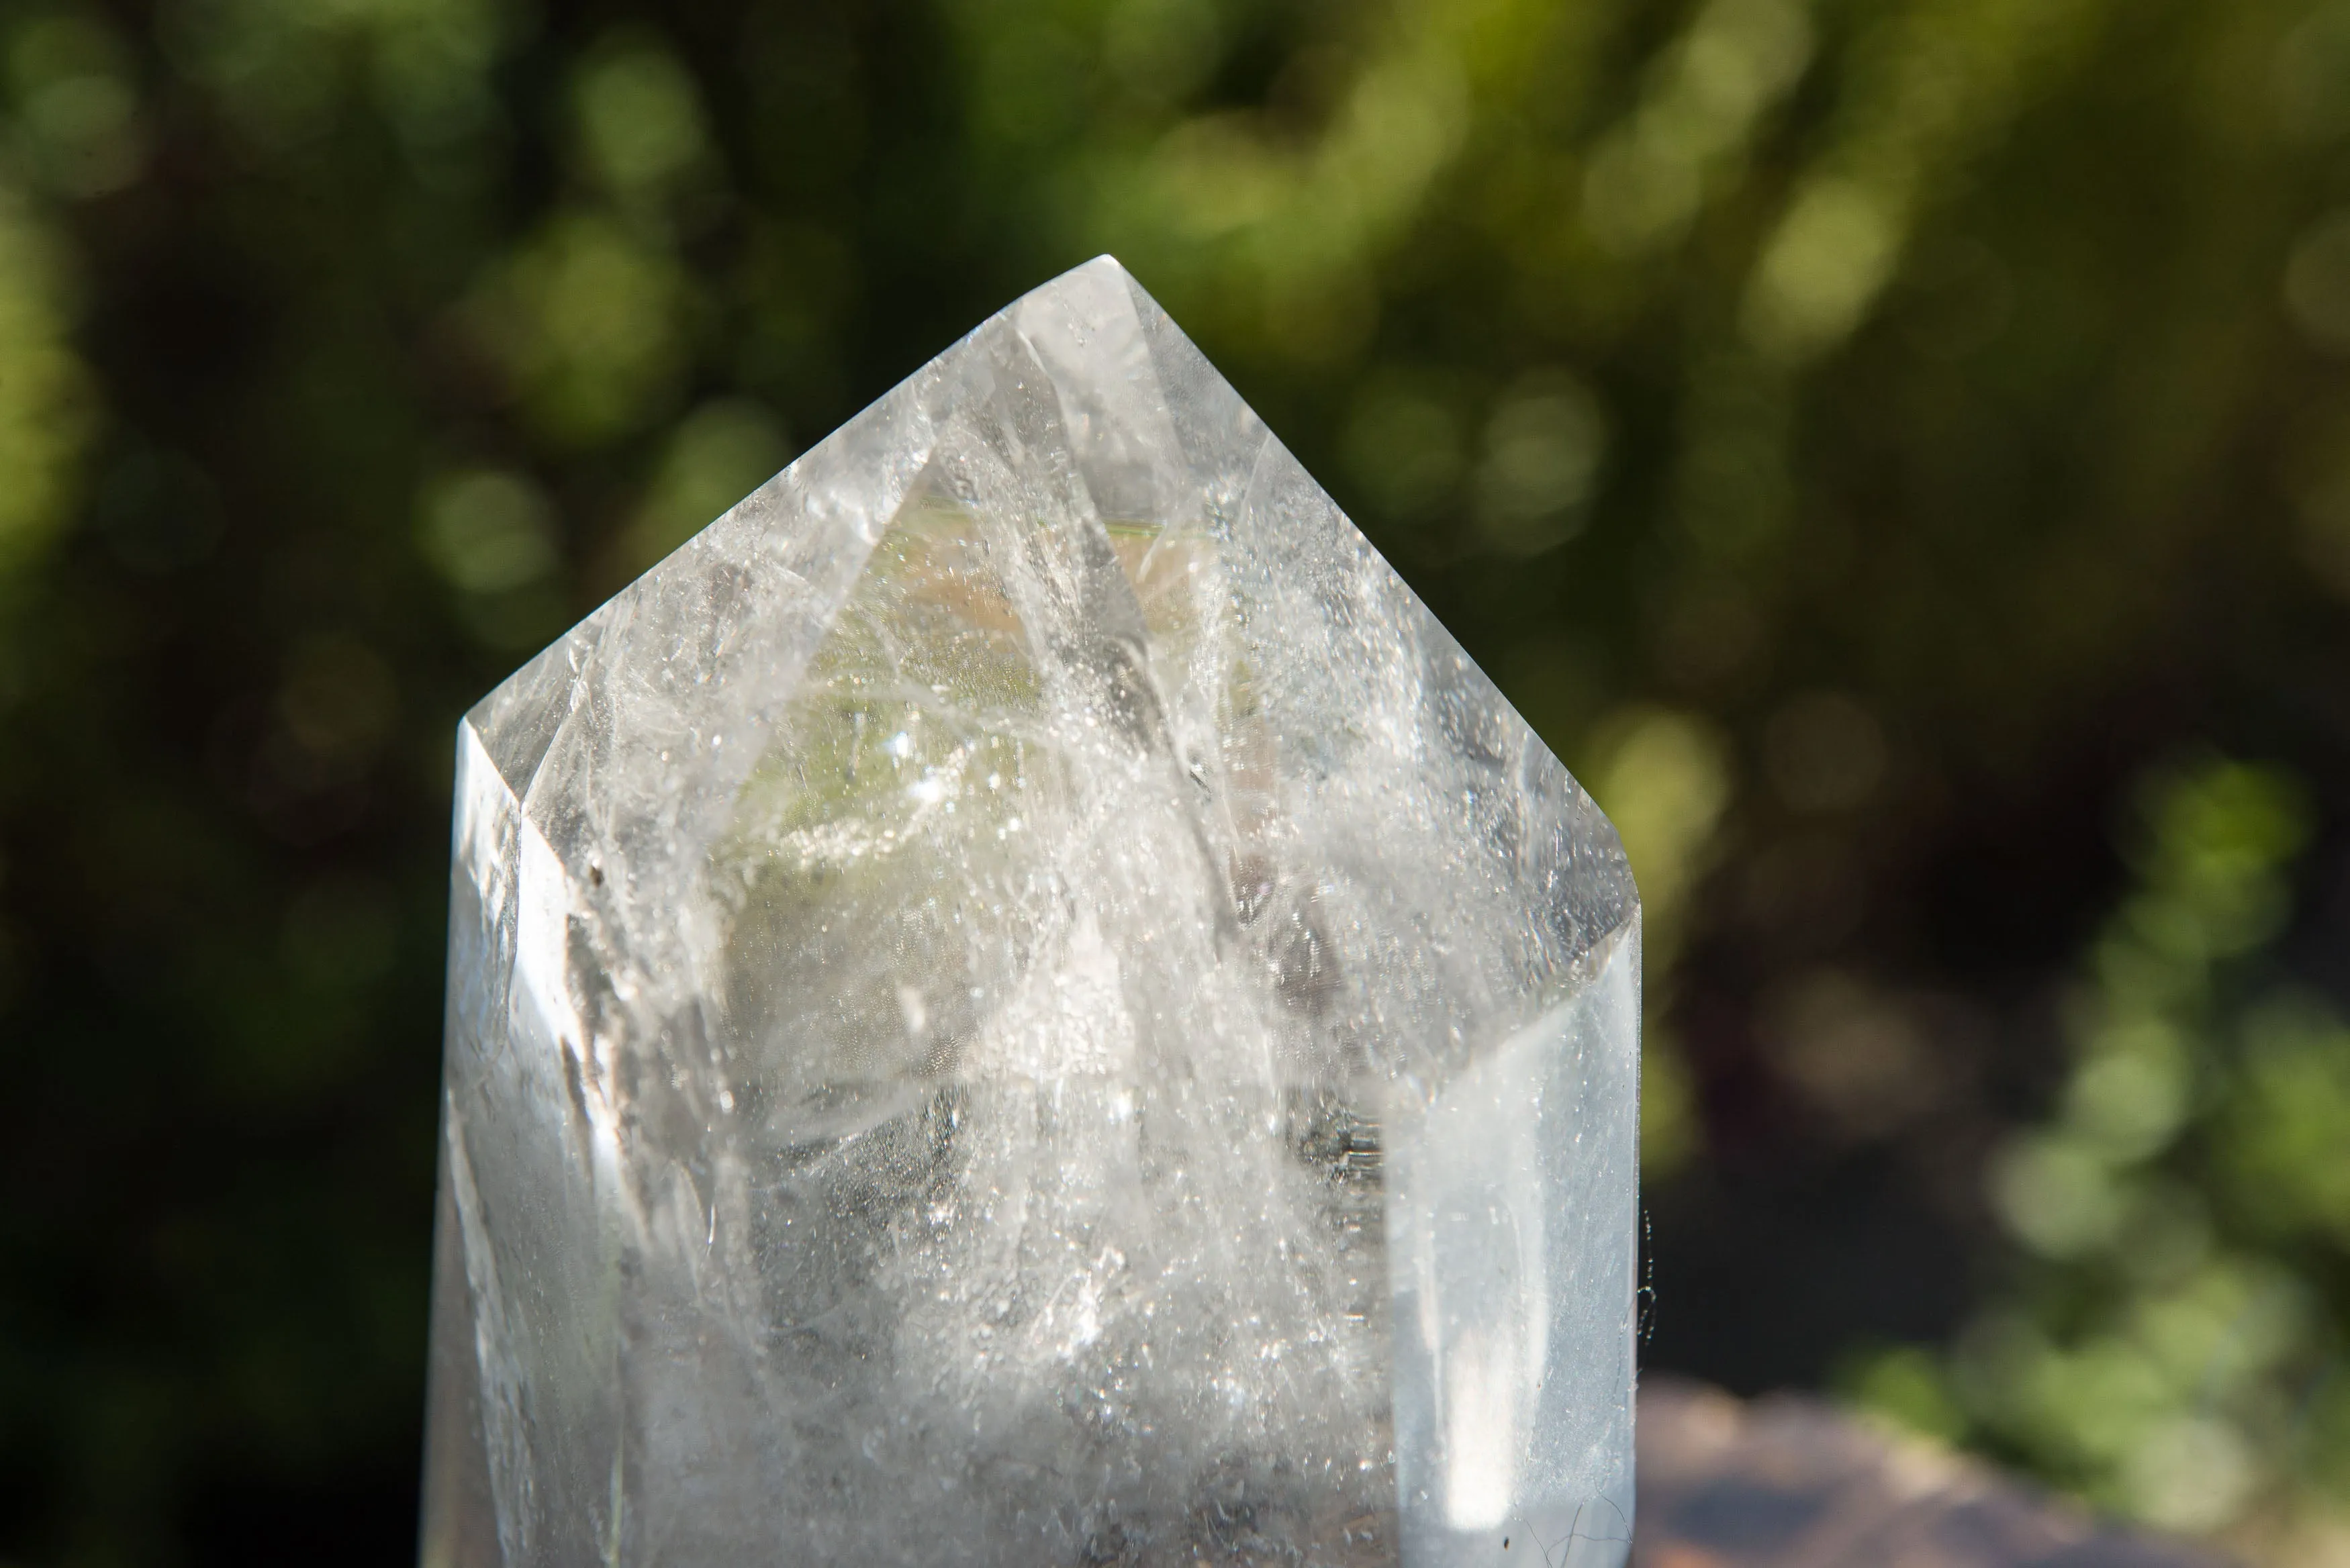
(1019, 1001)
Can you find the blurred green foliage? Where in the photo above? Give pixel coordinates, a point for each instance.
(2171, 1340)
(1863, 438)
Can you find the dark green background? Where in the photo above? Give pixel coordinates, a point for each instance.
(1897, 451)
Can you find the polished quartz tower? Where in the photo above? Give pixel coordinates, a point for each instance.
(1019, 1003)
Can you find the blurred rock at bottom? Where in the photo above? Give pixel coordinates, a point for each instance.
(1787, 1482)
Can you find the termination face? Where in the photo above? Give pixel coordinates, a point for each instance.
(1019, 1001)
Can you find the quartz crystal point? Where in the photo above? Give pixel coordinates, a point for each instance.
(1018, 1001)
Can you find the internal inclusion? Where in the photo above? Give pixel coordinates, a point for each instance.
(1074, 1180)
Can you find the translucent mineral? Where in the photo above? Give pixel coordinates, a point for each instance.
(1019, 1001)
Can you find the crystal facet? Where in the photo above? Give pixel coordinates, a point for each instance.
(1019, 1001)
